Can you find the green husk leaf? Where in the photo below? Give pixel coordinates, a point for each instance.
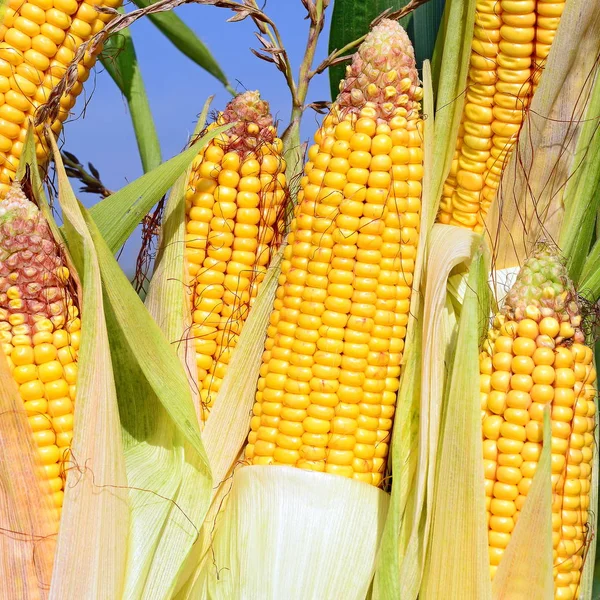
(529, 203)
(164, 452)
(582, 194)
(96, 505)
(350, 20)
(450, 67)
(187, 42)
(120, 60)
(457, 563)
(519, 577)
(405, 430)
(119, 214)
(423, 28)
(28, 521)
(589, 282)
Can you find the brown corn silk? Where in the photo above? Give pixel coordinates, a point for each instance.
(39, 331)
(511, 41)
(38, 41)
(328, 382)
(234, 223)
(535, 356)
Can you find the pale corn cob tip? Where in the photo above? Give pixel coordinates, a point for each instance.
(254, 122)
(32, 275)
(543, 289)
(383, 74)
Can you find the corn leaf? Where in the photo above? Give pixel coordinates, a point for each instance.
(161, 436)
(450, 67)
(311, 513)
(351, 20)
(520, 576)
(119, 214)
(589, 282)
(582, 194)
(457, 564)
(423, 28)
(28, 521)
(403, 449)
(120, 60)
(187, 42)
(95, 514)
(529, 203)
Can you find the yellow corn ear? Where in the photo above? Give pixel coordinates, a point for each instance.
(235, 216)
(535, 356)
(38, 41)
(39, 331)
(329, 377)
(510, 44)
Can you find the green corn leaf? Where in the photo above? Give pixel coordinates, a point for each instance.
(450, 67)
(589, 282)
(120, 60)
(118, 215)
(185, 40)
(423, 28)
(96, 505)
(351, 20)
(582, 194)
(165, 458)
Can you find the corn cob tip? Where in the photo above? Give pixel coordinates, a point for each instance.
(543, 289)
(32, 275)
(254, 122)
(383, 74)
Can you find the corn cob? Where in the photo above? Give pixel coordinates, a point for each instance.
(38, 40)
(511, 42)
(39, 331)
(330, 370)
(536, 356)
(234, 206)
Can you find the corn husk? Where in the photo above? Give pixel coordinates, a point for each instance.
(28, 521)
(96, 505)
(528, 206)
(294, 534)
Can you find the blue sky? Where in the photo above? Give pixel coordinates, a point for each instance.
(177, 89)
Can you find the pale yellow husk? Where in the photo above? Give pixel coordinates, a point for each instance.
(294, 534)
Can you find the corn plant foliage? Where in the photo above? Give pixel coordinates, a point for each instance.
(118, 215)
(96, 505)
(450, 67)
(529, 204)
(120, 60)
(582, 194)
(185, 40)
(28, 524)
(168, 473)
(456, 564)
(423, 27)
